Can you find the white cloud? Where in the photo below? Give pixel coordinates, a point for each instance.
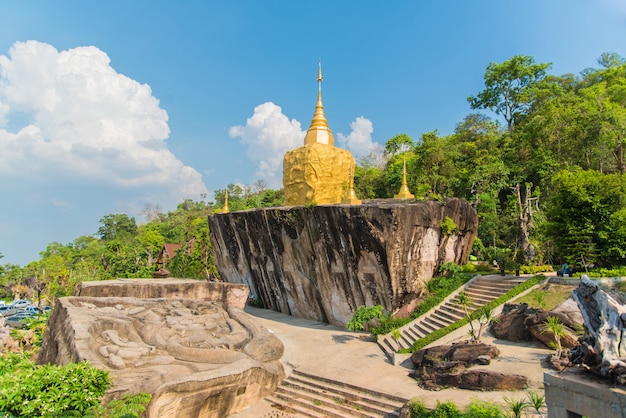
(268, 134)
(359, 141)
(87, 124)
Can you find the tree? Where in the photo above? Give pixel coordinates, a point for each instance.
(585, 211)
(399, 144)
(117, 227)
(610, 60)
(509, 87)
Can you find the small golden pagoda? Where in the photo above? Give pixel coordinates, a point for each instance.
(225, 209)
(404, 192)
(318, 172)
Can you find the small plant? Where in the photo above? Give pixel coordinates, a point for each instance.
(317, 402)
(417, 409)
(554, 325)
(516, 406)
(338, 401)
(537, 401)
(448, 227)
(363, 315)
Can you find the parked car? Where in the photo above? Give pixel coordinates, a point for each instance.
(20, 303)
(17, 320)
(31, 309)
(7, 310)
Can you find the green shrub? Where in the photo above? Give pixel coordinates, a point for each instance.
(363, 315)
(535, 269)
(129, 406)
(446, 410)
(34, 391)
(448, 227)
(483, 409)
(438, 287)
(417, 409)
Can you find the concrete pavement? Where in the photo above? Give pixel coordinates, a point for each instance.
(352, 357)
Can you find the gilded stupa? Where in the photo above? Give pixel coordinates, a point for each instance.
(404, 192)
(318, 172)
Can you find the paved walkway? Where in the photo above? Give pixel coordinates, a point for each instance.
(336, 353)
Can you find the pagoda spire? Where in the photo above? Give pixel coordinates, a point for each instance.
(404, 192)
(319, 132)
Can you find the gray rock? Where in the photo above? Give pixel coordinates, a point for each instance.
(322, 262)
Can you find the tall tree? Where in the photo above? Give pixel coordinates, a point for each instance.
(117, 227)
(509, 87)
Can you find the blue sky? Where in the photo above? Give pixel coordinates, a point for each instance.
(106, 106)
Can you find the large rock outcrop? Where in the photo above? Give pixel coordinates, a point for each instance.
(322, 262)
(196, 357)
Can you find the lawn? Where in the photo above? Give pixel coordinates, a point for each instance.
(548, 296)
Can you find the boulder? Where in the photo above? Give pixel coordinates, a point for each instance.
(511, 325)
(322, 262)
(462, 354)
(481, 380)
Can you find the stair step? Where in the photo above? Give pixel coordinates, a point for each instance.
(311, 406)
(347, 386)
(452, 317)
(487, 292)
(345, 401)
(321, 401)
(287, 405)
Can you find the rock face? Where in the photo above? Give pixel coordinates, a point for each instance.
(196, 357)
(322, 262)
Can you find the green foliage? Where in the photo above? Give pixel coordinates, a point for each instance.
(438, 289)
(417, 409)
(129, 406)
(535, 269)
(587, 216)
(517, 406)
(446, 410)
(483, 409)
(363, 315)
(34, 391)
(536, 400)
(554, 326)
(448, 227)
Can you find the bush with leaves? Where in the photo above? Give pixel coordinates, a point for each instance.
(29, 390)
(363, 315)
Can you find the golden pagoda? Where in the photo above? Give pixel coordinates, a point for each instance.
(225, 209)
(404, 192)
(318, 172)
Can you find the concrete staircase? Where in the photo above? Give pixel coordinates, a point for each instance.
(306, 395)
(481, 290)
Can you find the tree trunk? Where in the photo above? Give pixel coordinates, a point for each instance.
(524, 223)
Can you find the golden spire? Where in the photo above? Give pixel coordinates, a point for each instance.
(318, 131)
(404, 192)
(225, 209)
(351, 198)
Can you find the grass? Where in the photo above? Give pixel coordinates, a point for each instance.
(547, 296)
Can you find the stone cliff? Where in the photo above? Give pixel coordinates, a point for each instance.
(322, 262)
